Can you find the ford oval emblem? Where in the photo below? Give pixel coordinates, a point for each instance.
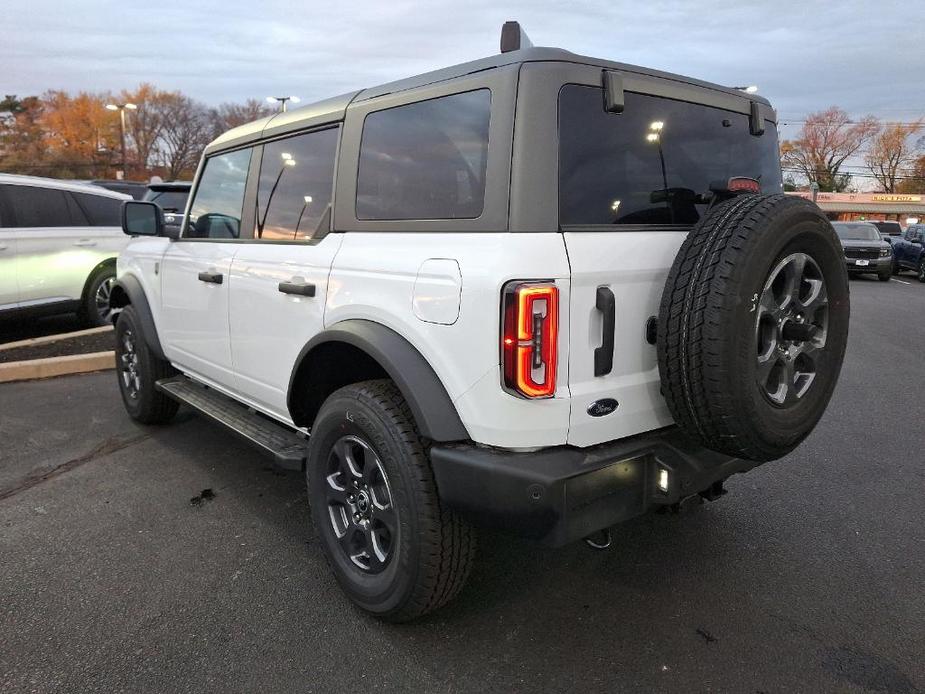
(601, 408)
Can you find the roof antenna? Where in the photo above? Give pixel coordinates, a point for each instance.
(513, 37)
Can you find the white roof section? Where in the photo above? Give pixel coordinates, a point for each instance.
(40, 182)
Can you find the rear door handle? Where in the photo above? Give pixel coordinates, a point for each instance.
(85, 242)
(213, 277)
(297, 288)
(603, 355)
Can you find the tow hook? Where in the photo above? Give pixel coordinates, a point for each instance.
(600, 540)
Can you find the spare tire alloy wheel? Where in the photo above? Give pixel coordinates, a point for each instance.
(753, 325)
(790, 329)
(360, 506)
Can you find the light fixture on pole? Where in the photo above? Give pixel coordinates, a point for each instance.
(121, 109)
(283, 100)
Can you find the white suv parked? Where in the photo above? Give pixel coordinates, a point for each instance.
(447, 319)
(58, 247)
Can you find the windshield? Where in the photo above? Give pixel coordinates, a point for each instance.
(168, 200)
(653, 163)
(856, 232)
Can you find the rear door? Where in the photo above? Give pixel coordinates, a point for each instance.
(9, 289)
(631, 185)
(279, 278)
(196, 268)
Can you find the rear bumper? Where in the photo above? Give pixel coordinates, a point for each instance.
(558, 495)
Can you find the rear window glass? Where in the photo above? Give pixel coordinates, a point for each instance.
(654, 163)
(101, 210)
(168, 200)
(426, 160)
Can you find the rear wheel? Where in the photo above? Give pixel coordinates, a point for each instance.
(138, 369)
(922, 269)
(394, 549)
(95, 310)
(753, 325)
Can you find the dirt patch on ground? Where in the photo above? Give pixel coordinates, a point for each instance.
(82, 344)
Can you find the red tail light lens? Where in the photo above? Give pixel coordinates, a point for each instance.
(530, 337)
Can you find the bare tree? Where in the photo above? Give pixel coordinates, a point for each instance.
(143, 126)
(892, 152)
(227, 116)
(184, 133)
(827, 140)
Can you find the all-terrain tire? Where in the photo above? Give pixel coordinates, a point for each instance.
(138, 369)
(712, 320)
(430, 553)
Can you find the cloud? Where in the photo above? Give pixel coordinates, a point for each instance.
(805, 56)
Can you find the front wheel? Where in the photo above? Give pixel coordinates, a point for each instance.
(885, 276)
(138, 369)
(396, 551)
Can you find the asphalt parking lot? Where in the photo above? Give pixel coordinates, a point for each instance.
(117, 573)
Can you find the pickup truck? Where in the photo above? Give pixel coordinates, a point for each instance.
(909, 251)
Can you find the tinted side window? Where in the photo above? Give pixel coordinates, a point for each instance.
(216, 209)
(296, 178)
(425, 160)
(653, 163)
(100, 210)
(40, 207)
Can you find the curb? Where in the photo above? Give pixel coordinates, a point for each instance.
(32, 342)
(56, 366)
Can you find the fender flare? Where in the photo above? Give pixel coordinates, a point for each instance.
(431, 405)
(136, 297)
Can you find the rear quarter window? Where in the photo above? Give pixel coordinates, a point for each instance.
(101, 211)
(425, 160)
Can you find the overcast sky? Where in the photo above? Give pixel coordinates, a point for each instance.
(803, 55)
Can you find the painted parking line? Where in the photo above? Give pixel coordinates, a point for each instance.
(893, 279)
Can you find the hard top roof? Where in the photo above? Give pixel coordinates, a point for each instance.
(333, 109)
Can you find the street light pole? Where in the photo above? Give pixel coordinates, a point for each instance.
(121, 109)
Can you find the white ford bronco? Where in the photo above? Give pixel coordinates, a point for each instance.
(539, 291)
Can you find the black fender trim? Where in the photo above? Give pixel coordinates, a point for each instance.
(136, 295)
(433, 410)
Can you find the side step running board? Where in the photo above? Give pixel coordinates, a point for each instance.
(288, 449)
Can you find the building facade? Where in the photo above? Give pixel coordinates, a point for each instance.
(845, 207)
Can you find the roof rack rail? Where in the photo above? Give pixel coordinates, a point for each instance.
(513, 37)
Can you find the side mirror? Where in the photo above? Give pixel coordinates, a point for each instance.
(140, 218)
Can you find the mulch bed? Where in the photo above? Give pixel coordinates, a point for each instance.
(84, 344)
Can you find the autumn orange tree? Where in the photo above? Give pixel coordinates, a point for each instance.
(75, 136)
(893, 152)
(828, 139)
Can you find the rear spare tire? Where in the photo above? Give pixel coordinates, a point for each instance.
(753, 325)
